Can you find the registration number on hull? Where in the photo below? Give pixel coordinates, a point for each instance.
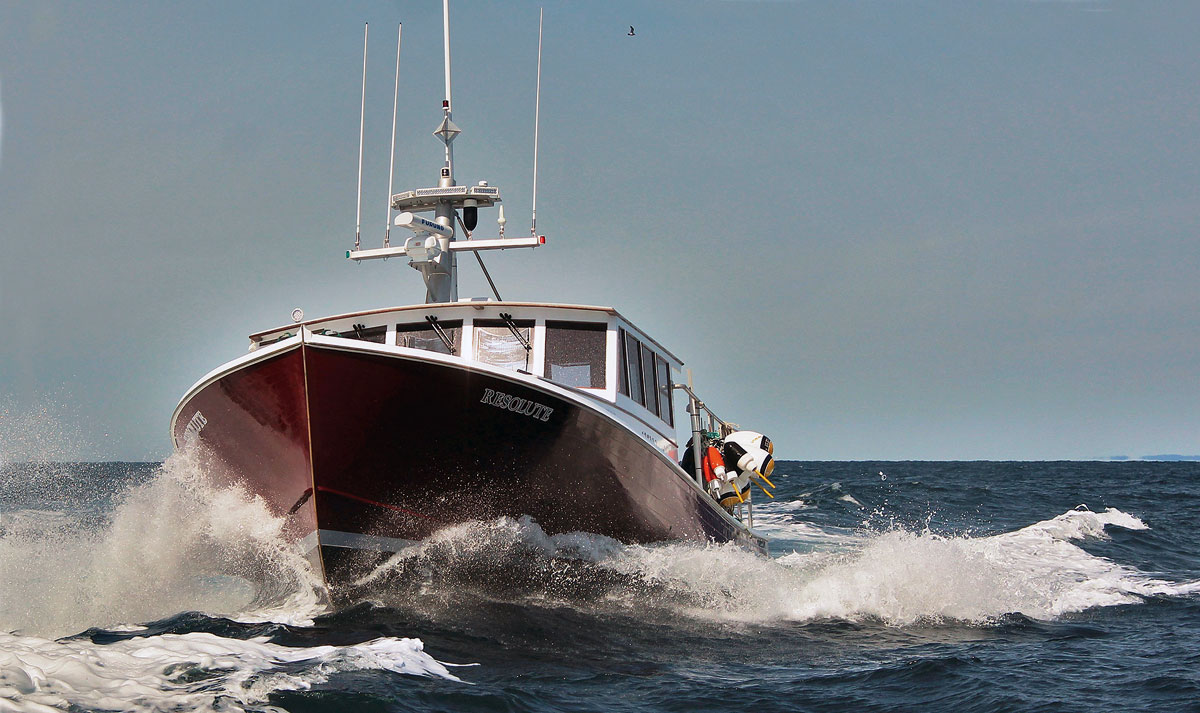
(192, 431)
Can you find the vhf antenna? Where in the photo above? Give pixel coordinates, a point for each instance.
(361, 122)
(537, 104)
(448, 131)
(387, 234)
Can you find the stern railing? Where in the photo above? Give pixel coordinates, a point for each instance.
(701, 416)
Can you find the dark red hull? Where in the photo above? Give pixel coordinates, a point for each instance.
(366, 449)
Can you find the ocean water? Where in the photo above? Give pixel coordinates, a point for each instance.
(981, 586)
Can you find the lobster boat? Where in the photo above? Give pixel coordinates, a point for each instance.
(370, 431)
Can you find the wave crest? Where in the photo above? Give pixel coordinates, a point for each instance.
(197, 671)
(899, 577)
(173, 543)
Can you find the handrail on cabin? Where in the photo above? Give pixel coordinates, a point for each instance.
(726, 427)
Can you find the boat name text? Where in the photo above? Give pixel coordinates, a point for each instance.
(516, 404)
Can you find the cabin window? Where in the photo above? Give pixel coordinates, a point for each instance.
(633, 361)
(364, 333)
(648, 380)
(622, 379)
(575, 353)
(664, 391)
(423, 336)
(495, 343)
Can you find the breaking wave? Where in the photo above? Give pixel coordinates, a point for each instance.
(899, 578)
(173, 543)
(196, 671)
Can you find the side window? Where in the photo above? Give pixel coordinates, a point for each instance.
(633, 358)
(648, 380)
(622, 366)
(664, 391)
(575, 353)
(495, 343)
(423, 336)
(366, 334)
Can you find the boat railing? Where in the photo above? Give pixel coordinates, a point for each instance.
(705, 419)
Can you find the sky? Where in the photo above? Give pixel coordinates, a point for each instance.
(874, 230)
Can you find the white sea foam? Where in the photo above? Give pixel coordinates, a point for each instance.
(36, 520)
(780, 523)
(496, 542)
(898, 577)
(176, 543)
(782, 529)
(184, 672)
(778, 506)
(903, 578)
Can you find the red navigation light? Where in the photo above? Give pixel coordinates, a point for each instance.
(445, 103)
(541, 240)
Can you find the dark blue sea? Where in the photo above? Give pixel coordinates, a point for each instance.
(975, 586)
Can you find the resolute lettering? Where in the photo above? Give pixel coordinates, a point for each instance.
(516, 404)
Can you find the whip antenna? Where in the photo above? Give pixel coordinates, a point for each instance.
(387, 233)
(361, 122)
(447, 131)
(537, 104)
(446, 44)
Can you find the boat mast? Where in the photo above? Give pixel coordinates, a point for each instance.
(447, 131)
(441, 277)
(431, 249)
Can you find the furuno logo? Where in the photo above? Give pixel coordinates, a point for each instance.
(192, 431)
(508, 402)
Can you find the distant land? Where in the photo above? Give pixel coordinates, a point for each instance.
(1160, 456)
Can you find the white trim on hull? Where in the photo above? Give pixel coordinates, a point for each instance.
(355, 541)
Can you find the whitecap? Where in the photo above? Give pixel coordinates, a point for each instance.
(903, 578)
(196, 671)
(175, 543)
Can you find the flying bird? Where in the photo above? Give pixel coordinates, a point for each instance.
(631, 30)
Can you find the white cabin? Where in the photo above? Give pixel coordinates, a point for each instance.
(593, 351)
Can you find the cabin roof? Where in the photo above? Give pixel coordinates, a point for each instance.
(468, 305)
